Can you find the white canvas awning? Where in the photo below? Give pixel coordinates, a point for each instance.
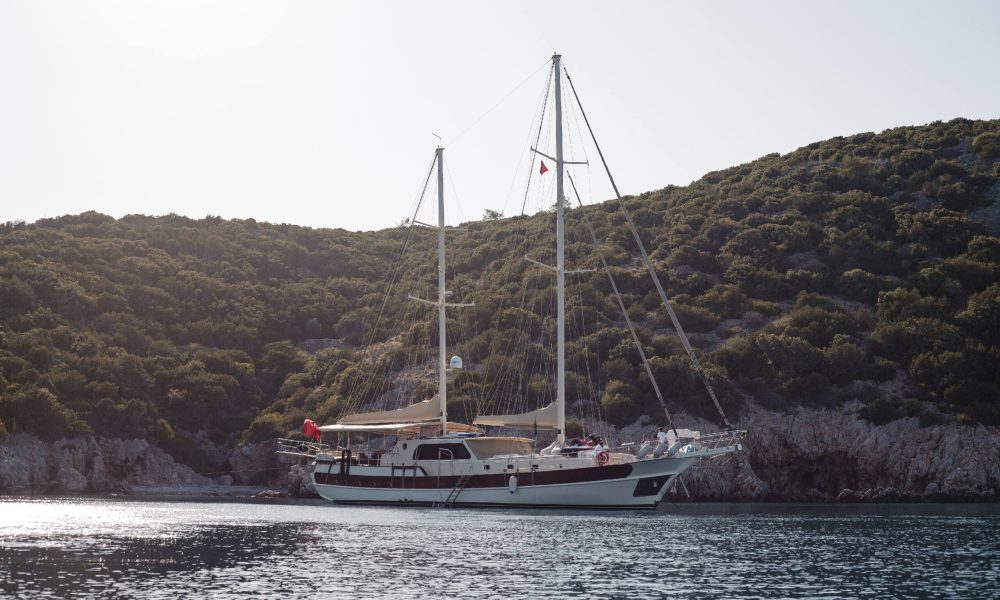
(400, 428)
(543, 418)
(428, 410)
(364, 428)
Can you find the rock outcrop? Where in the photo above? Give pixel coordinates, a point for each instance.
(257, 464)
(832, 454)
(805, 454)
(87, 464)
(300, 483)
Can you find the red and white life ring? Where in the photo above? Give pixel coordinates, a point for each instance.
(602, 458)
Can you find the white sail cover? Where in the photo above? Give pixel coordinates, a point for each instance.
(423, 428)
(428, 410)
(543, 418)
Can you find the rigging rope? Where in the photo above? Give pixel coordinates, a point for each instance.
(402, 251)
(538, 136)
(649, 265)
(494, 107)
(621, 305)
(366, 386)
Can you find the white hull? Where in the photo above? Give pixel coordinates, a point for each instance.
(640, 484)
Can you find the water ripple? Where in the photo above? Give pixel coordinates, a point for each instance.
(144, 549)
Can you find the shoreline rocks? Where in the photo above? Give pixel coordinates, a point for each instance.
(88, 464)
(802, 455)
(832, 455)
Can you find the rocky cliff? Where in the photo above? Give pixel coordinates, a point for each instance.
(100, 465)
(88, 464)
(806, 454)
(831, 454)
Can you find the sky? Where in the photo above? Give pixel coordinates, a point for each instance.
(324, 113)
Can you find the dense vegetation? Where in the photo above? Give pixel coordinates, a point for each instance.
(860, 268)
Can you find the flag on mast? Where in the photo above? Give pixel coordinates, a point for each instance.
(310, 428)
(543, 169)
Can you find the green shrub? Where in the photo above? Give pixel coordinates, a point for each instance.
(806, 388)
(36, 410)
(846, 362)
(987, 145)
(881, 412)
(620, 410)
(267, 426)
(981, 316)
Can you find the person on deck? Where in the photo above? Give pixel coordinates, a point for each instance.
(661, 446)
(661, 436)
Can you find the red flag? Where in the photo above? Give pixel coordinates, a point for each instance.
(311, 429)
(543, 168)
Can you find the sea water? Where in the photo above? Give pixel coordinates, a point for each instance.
(113, 548)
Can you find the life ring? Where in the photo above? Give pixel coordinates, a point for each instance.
(602, 458)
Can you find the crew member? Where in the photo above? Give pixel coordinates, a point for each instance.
(661, 436)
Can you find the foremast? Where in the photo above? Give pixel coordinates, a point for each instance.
(442, 296)
(442, 353)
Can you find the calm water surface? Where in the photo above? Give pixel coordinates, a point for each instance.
(149, 549)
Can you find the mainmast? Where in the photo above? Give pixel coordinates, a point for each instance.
(442, 354)
(560, 265)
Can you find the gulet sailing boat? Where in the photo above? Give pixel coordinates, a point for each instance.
(439, 463)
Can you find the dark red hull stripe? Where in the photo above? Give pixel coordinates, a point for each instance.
(447, 482)
(651, 506)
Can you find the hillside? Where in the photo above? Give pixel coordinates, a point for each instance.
(863, 268)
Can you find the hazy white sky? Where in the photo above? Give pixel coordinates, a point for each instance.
(321, 113)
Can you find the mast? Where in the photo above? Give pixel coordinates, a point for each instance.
(560, 265)
(442, 358)
(442, 296)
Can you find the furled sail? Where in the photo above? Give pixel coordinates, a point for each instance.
(428, 410)
(543, 418)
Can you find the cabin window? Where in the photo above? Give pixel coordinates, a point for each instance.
(441, 451)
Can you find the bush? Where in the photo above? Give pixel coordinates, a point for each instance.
(267, 426)
(903, 303)
(36, 410)
(818, 326)
(863, 286)
(807, 388)
(846, 362)
(127, 420)
(727, 301)
(881, 412)
(905, 339)
(987, 145)
(692, 318)
(621, 403)
(982, 316)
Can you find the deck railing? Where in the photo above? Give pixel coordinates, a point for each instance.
(301, 448)
(722, 439)
(652, 449)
